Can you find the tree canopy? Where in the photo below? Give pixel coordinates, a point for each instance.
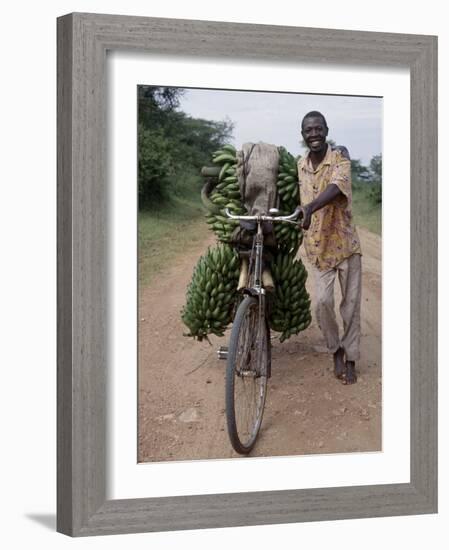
(172, 146)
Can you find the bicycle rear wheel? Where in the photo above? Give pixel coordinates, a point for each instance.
(246, 376)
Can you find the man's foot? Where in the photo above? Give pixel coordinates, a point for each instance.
(350, 376)
(339, 363)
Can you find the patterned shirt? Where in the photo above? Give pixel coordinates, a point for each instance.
(332, 236)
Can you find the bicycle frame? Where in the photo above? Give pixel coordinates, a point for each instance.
(257, 289)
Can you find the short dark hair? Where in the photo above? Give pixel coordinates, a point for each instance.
(311, 114)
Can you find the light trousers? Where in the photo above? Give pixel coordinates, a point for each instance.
(349, 273)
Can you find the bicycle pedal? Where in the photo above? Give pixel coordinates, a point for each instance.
(222, 352)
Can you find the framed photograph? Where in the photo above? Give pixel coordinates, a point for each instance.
(137, 449)
(183, 416)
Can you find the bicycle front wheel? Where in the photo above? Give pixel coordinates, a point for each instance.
(246, 376)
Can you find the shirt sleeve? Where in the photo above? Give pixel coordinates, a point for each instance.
(341, 176)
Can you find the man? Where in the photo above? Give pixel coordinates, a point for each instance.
(331, 241)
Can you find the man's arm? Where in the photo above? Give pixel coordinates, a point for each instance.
(331, 192)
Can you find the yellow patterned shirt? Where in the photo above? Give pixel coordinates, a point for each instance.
(332, 236)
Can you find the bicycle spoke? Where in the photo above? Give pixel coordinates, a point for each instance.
(249, 377)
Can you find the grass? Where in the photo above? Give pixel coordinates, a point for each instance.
(167, 231)
(366, 212)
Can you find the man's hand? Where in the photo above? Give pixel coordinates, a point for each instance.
(331, 192)
(305, 215)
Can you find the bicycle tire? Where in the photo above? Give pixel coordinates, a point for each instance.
(246, 381)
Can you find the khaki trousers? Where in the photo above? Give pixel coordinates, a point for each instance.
(350, 278)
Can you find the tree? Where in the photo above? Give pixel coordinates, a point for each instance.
(359, 172)
(155, 165)
(376, 171)
(172, 146)
(376, 168)
(156, 103)
(196, 139)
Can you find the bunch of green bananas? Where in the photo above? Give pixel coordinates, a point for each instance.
(290, 313)
(226, 194)
(212, 292)
(287, 183)
(288, 236)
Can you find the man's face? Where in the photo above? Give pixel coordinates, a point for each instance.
(314, 133)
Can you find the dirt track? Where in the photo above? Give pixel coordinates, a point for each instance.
(181, 382)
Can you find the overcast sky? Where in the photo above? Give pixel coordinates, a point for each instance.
(355, 122)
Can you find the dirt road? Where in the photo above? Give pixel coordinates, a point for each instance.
(181, 382)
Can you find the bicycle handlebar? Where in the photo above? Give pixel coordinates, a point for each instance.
(263, 217)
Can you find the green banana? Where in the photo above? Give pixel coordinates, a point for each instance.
(222, 173)
(224, 157)
(230, 148)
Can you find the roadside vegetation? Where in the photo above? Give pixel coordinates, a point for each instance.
(367, 194)
(167, 230)
(172, 149)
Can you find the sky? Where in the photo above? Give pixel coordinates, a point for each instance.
(275, 118)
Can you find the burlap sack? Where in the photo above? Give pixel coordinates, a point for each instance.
(257, 170)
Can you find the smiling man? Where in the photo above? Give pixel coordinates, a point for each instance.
(331, 241)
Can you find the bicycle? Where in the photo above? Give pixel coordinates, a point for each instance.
(249, 353)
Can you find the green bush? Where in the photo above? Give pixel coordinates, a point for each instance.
(172, 146)
(155, 166)
(375, 193)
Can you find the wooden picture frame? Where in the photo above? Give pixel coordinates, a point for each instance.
(83, 40)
